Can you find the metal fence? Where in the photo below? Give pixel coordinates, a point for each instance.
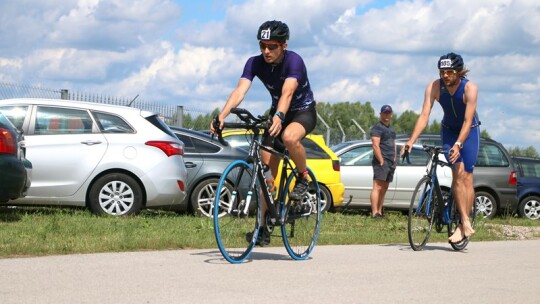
(172, 114)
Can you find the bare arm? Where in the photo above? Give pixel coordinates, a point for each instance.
(376, 140)
(470, 99)
(233, 101)
(287, 92)
(431, 94)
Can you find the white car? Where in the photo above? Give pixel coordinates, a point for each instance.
(357, 174)
(112, 159)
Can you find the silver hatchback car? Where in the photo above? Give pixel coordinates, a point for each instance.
(112, 159)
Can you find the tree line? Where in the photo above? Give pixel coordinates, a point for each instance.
(346, 120)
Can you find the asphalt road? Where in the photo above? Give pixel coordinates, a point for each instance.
(486, 272)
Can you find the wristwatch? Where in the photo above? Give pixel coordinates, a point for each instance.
(459, 144)
(281, 116)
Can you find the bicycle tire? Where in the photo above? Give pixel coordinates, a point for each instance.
(421, 214)
(455, 221)
(231, 224)
(300, 231)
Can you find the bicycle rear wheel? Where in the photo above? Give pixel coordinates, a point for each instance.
(455, 220)
(302, 219)
(232, 224)
(421, 214)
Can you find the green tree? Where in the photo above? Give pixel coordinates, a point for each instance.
(528, 152)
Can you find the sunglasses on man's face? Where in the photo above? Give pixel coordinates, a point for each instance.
(447, 72)
(270, 46)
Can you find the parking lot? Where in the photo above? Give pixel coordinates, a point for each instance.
(486, 272)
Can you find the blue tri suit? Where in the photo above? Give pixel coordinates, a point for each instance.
(454, 115)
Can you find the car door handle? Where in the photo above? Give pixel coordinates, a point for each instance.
(91, 142)
(190, 165)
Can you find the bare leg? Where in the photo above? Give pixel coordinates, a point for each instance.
(377, 196)
(292, 135)
(463, 191)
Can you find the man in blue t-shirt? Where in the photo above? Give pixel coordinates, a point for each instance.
(293, 113)
(383, 138)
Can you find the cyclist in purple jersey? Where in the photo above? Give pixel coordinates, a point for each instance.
(460, 131)
(293, 113)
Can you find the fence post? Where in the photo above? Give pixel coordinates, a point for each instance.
(64, 94)
(342, 132)
(327, 130)
(363, 132)
(179, 116)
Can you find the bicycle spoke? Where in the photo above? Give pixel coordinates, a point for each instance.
(231, 224)
(302, 219)
(421, 214)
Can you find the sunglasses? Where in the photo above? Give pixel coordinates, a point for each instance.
(270, 46)
(447, 72)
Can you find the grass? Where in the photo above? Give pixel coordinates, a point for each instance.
(38, 231)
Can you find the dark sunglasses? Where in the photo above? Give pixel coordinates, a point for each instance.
(270, 46)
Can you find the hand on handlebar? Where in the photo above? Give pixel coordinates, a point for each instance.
(276, 126)
(405, 154)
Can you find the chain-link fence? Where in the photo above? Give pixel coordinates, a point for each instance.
(172, 114)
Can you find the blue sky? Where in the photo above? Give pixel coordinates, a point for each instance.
(192, 52)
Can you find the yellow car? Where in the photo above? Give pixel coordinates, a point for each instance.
(320, 159)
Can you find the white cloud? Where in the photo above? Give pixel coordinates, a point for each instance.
(354, 51)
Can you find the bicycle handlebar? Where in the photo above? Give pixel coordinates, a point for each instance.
(250, 122)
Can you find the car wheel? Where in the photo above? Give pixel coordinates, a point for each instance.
(326, 199)
(486, 206)
(115, 194)
(529, 207)
(203, 196)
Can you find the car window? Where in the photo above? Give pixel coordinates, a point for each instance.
(109, 123)
(53, 120)
(195, 145)
(490, 155)
(417, 157)
(239, 140)
(314, 151)
(15, 114)
(530, 168)
(359, 156)
(160, 124)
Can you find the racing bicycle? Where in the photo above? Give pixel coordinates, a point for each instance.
(237, 206)
(431, 204)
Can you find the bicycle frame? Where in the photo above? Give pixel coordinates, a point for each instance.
(431, 173)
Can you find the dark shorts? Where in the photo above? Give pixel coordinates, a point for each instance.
(307, 118)
(384, 172)
(469, 153)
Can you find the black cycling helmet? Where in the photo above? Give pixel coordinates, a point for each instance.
(273, 30)
(451, 61)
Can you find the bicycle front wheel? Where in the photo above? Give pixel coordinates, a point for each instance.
(302, 218)
(455, 220)
(236, 212)
(421, 214)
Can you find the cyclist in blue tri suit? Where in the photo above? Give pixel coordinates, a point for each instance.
(293, 113)
(459, 130)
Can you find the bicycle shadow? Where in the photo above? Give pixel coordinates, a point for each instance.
(215, 257)
(428, 247)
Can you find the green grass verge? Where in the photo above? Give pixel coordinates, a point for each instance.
(36, 231)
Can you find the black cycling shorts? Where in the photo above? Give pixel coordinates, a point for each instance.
(307, 118)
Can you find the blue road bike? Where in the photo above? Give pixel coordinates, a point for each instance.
(237, 207)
